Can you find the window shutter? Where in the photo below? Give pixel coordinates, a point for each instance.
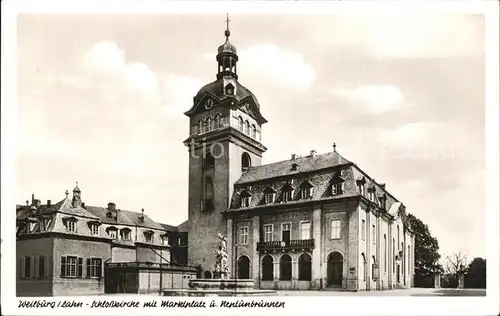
(32, 266)
(79, 268)
(21, 268)
(63, 266)
(36, 270)
(88, 268)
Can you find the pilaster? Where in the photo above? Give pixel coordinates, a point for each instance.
(230, 246)
(317, 263)
(255, 253)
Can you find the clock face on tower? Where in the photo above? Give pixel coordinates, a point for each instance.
(209, 103)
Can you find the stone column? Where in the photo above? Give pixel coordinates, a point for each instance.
(255, 253)
(437, 280)
(276, 272)
(230, 247)
(295, 272)
(317, 262)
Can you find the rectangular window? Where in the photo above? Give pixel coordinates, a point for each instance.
(374, 234)
(305, 230)
(27, 267)
(286, 231)
(94, 267)
(70, 266)
(361, 189)
(306, 193)
(243, 235)
(335, 229)
(363, 229)
(337, 188)
(94, 229)
(245, 201)
(269, 198)
(372, 196)
(287, 196)
(44, 224)
(268, 232)
(71, 226)
(164, 240)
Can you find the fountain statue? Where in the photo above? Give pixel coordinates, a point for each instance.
(220, 285)
(221, 270)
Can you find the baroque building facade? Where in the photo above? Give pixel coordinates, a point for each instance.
(310, 222)
(69, 248)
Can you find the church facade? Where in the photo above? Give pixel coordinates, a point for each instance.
(311, 222)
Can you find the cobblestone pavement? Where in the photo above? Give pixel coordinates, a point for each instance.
(403, 292)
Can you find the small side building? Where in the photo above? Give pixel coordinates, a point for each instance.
(69, 248)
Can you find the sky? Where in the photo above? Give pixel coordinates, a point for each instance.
(101, 101)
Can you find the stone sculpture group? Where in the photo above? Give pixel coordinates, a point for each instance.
(221, 270)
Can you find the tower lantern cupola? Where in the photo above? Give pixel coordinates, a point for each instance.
(227, 57)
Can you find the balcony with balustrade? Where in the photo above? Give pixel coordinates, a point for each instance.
(285, 245)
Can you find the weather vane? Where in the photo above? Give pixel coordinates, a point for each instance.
(227, 33)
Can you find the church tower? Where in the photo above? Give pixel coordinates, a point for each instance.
(224, 142)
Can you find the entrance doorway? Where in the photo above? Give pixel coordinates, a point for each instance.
(243, 268)
(335, 266)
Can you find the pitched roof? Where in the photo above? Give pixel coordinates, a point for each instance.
(284, 168)
(168, 227)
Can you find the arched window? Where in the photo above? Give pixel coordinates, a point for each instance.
(240, 123)
(285, 268)
(393, 256)
(200, 126)
(363, 265)
(267, 268)
(385, 253)
(398, 234)
(246, 162)
(373, 268)
(305, 267)
(210, 124)
(254, 131)
(247, 128)
(243, 268)
(204, 127)
(217, 121)
(230, 89)
(207, 275)
(209, 161)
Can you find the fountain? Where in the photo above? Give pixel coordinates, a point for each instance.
(220, 285)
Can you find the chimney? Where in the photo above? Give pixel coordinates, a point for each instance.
(294, 156)
(312, 153)
(49, 203)
(83, 204)
(382, 185)
(27, 203)
(32, 198)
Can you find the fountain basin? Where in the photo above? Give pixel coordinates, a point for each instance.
(219, 287)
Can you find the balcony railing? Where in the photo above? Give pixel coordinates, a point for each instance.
(148, 265)
(298, 244)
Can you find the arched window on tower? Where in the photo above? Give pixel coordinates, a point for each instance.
(204, 126)
(240, 123)
(200, 126)
(247, 128)
(246, 162)
(217, 121)
(209, 124)
(254, 131)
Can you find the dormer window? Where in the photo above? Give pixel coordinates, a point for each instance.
(337, 188)
(371, 196)
(70, 224)
(295, 167)
(94, 229)
(149, 236)
(45, 223)
(254, 131)
(229, 88)
(164, 239)
(306, 190)
(287, 193)
(269, 195)
(240, 123)
(247, 128)
(382, 199)
(361, 185)
(245, 198)
(217, 121)
(125, 234)
(21, 229)
(112, 232)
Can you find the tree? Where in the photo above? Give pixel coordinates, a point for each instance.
(426, 253)
(454, 265)
(476, 273)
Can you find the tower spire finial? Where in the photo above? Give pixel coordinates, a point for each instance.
(227, 32)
